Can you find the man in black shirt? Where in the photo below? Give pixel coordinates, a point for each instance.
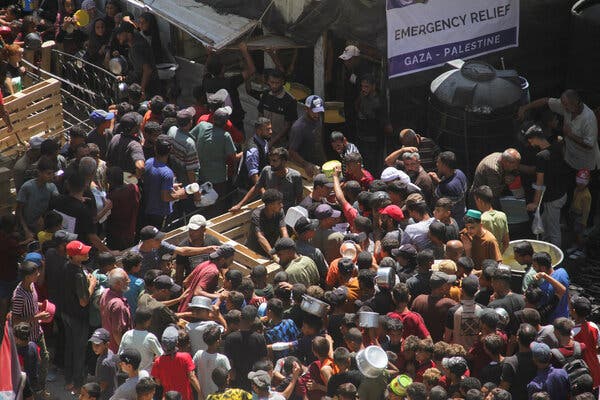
(279, 106)
(244, 348)
(552, 173)
(197, 237)
(267, 224)
(519, 370)
(215, 79)
(505, 298)
(141, 59)
(125, 150)
(77, 291)
(102, 132)
(78, 212)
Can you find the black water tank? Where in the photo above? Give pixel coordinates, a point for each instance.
(584, 55)
(472, 111)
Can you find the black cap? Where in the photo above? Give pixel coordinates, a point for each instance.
(345, 265)
(151, 232)
(304, 224)
(166, 282)
(283, 244)
(405, 251)
(223, 251)
(322, 180)
(130, 356)
(100, 336)
(63, 236)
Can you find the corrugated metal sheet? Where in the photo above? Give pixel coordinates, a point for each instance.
(201, 21)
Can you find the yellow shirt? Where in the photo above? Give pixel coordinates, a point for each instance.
(495, 221)
(44, 236)
(582, 201)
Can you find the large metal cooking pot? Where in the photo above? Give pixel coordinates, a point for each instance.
(386, 278)
(118, 65)
(367, 319)
(371, 361)
(508, 257)
(314, 306)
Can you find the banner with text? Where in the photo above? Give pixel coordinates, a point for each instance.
(424, 34)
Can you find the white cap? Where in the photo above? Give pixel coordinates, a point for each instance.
(391, 174)
(223, 111)
(349, 52)
(197, 221)
(35, 142)
(315, 103)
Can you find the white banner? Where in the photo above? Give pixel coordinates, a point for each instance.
(424, 34)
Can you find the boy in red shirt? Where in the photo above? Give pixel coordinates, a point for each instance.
(175, 370)
(586, 332)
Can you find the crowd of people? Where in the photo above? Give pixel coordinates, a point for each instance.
(401, 253)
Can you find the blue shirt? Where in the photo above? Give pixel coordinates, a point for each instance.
(455, 188)
(252, 156)
(552, 380)
(562, 309)
(285, 331)
(158, 177)
(136, 286)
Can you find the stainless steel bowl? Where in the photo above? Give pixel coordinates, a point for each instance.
(386, 278)
(314, 306)
(371, 361)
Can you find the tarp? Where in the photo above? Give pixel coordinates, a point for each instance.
(358, 20)
(201, 21)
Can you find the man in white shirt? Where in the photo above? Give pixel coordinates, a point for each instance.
(201, 308)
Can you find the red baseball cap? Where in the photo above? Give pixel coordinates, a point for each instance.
(393, 211)
(76, 248)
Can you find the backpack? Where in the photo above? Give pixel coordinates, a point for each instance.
(578, 371)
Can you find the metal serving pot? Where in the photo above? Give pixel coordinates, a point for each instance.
(314, 306)
(118, 65)
(371, 361)
(367, 319)
(386, 278)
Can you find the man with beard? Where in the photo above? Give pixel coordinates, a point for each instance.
(278, 105)
(497, 171)
(451, 183)
(371, 124)
(304, 134)
(254, 156)
(276, 176)
(418, 175)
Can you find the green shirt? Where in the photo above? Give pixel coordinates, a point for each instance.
(495, 221)
(303, 270)
(214, 145)
(527, 279)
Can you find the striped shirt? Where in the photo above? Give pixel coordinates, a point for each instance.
(184, 148)
(25, 306)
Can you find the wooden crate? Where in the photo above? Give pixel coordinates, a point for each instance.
(35, 110)
(232, 229)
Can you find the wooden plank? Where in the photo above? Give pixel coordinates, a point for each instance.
(239, 231)
(228, 215)
(238, 219)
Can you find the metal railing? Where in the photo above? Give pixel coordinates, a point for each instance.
(84, 86)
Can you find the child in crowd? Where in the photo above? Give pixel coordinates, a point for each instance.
(28, 351)
(207, 360)
(140, 339)
(579, 212)
(52, 223)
